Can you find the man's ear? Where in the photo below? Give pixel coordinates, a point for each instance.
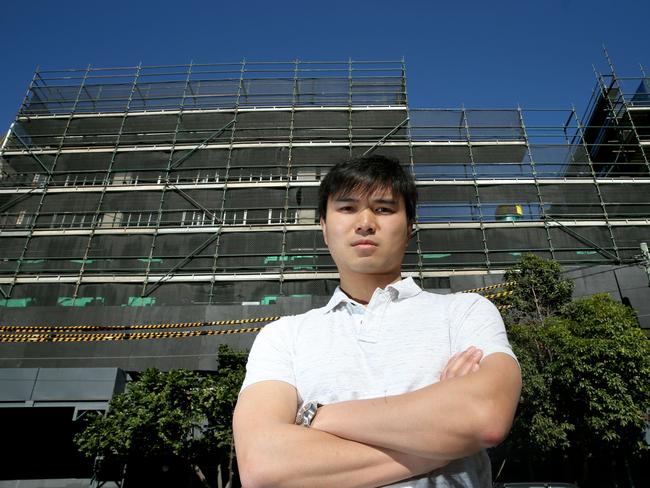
(323, 226)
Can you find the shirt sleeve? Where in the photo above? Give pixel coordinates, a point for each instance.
(475, 321)
(271, 357)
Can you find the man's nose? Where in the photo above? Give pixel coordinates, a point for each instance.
(366, 222)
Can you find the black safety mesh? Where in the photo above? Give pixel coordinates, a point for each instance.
(29, 165)
(14, 204)
(130, 201)
(182, 294)
(119, 253)
(37, 133)
(244, 291)
(626, 201)
(141, 160)
(500, 154)
(86, 161)
(319, 156)
(629, 237)
(115, 294)
(249, 243)
(575, 237)
(56, 254)
(449, 240)
(305, 240)
(95, 132)
(71, 202)
(42, 294)
(321, 288)
(12, 249)
(255, 198)
(447, 203)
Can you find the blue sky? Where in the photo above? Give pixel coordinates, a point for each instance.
(483, 54)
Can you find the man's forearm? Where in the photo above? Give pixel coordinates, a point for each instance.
(446, 420)
(271, 451)
(293, 456)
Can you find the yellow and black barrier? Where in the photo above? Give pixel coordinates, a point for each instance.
(93, 333)
(487, 288)
(121, 336)
(499, 294)
(71, 328)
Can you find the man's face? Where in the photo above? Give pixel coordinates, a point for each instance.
(366, 234)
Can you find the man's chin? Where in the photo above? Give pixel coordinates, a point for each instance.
(372, 269)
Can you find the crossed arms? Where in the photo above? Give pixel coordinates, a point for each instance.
(377, 441)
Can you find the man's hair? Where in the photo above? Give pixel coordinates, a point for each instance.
(367, 175)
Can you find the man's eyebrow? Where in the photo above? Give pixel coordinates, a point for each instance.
(386, 201)
(352, 199)
(345, 198)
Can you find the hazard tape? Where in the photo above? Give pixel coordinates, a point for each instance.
(124, 336)
(72, 333)
(499, 294)
(490, 287)
(68, 328)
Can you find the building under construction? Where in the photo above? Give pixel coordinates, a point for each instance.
(149, 213)
(188, 193)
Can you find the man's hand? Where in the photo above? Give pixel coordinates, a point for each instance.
(459, 364)
(469, 410)
(462, 363)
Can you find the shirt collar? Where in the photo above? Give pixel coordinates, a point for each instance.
(401, 290)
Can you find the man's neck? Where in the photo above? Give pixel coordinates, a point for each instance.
(361, 287)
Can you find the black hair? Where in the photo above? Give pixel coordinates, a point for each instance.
(367, 175)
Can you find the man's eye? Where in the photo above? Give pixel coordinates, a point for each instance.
(384, 210)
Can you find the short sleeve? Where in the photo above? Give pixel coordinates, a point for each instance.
(271, 357)
(475, 321)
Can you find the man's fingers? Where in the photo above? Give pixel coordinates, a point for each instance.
(445, 371)
(462, 363)
(471, 359)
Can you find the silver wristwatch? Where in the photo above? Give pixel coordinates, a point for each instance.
(307, 413)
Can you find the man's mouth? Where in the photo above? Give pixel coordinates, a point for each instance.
(364, 243)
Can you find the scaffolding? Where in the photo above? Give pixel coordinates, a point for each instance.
(197, 184)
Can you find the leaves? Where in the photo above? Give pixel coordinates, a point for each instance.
(585, 365)
(176, 414)
(538, 291)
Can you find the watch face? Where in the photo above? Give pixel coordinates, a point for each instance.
(306, 413)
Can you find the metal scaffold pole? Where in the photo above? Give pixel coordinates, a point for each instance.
(645, 259)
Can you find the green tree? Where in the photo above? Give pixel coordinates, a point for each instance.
(586, 371)
(601, 370)
(540, 424)
(232, 369)
(537, 289)
(178, 415)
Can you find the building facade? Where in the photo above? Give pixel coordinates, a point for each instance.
(181, 197)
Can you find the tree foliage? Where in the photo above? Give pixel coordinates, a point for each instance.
(178, 414)
(601, 367)
(232, 369)
(540, 424)
(537, 289)
(160, 415)
(585, 366)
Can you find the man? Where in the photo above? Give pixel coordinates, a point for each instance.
(397, 385)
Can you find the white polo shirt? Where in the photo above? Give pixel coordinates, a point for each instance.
(400, 342)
